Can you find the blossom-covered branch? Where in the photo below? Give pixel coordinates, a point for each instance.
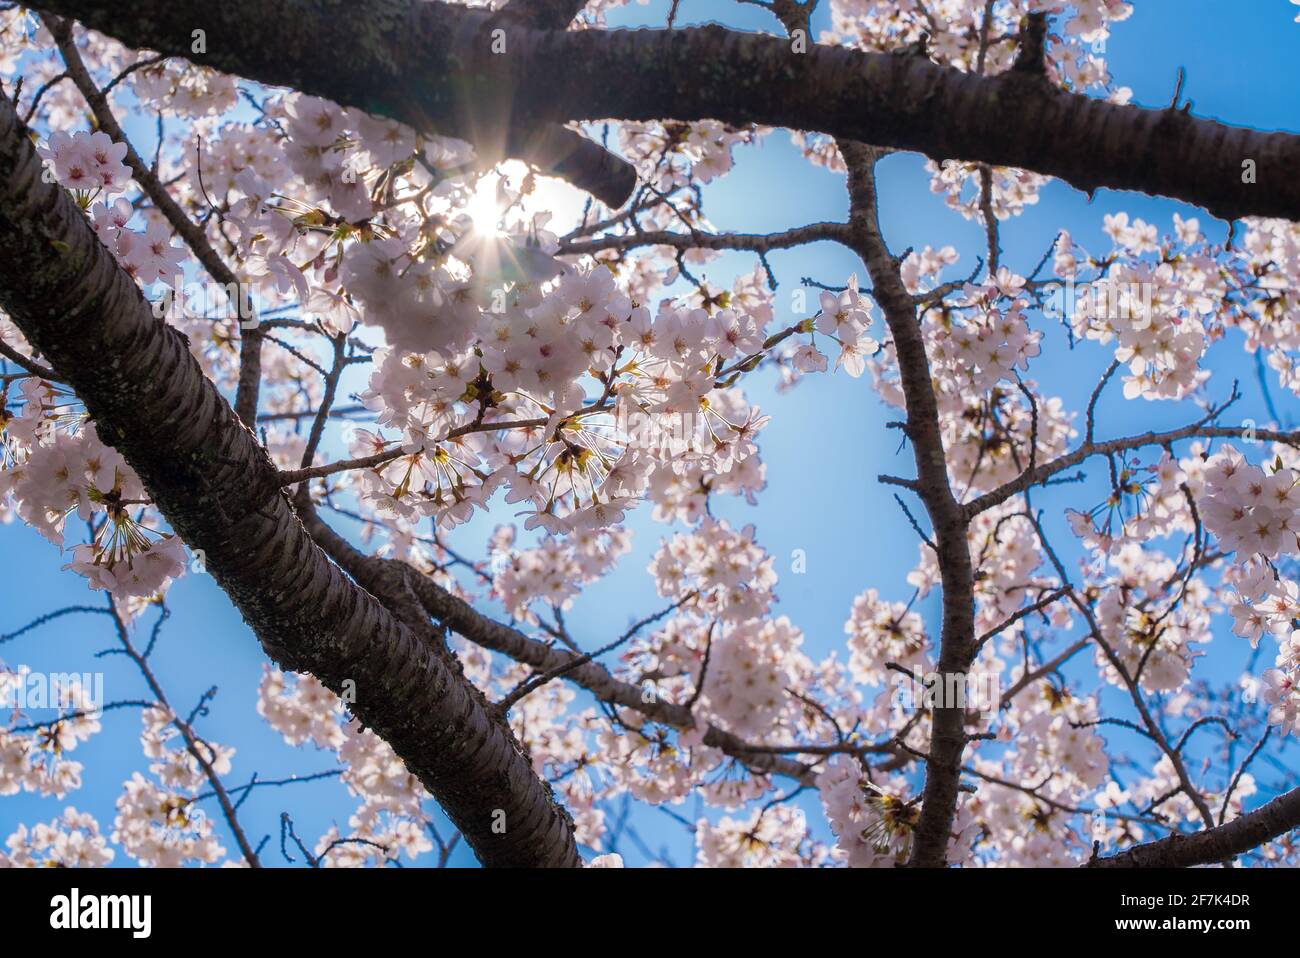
(458, 616)
(250, 348)
(220, 491)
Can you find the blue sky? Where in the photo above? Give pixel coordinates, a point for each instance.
(824, 447)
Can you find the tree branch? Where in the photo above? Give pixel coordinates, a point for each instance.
(1032, 477)
(460, 617)
(546, 14)
(745, 242)
(194, 745)
(957, 640)
(24, 363)
(432, 65)
(1212, 845)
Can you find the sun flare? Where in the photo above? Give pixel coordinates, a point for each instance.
(492, 214)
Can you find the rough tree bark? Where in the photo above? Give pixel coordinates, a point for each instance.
(432, 65)
(213, 482)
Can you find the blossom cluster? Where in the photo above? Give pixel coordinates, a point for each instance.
(56, 467)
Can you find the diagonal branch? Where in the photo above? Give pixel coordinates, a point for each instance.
(1212, 845)
(199, 750)
(376, 574)
(250, 338)
(221, 493)
(26, 363)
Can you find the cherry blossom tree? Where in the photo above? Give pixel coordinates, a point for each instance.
(363, 193)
